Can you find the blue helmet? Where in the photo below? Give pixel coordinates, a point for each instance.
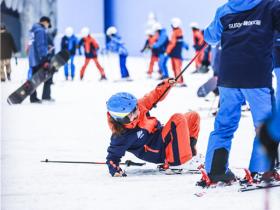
(120, 105)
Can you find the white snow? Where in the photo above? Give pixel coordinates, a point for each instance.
(74, 127)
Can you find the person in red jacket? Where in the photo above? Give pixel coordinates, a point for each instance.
(90, 49)
(135, 131)
(151, 39)
(174, 49)
(198, 41)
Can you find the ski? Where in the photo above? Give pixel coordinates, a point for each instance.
(179, 171)
(258, 187)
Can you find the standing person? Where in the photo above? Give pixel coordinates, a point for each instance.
(46, 95)
(7, 48)
(151, 39)
(174, 49)
(238, 24)
(90, 49)
(276, 58)
(206, 60)
(38, 54)
(135, 131)
(159, 47)
(116, 45)
(198, 41)
(69, 42)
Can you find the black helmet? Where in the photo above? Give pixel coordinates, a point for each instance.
(47, 19)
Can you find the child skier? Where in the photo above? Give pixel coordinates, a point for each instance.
(90, 49)
(135, 131)
(69, 42)
(116, 45)
(174, 49)
(198, 42)
(159, 47)
(151, 39)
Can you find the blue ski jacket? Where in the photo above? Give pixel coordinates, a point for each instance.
(161, 44)
(70, 44)
(38, 50)
(245, 29)
(116, 45)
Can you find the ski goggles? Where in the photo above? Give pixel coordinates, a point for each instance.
(126, 118)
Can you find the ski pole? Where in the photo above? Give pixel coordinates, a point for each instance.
(184, 69)
(127, 162)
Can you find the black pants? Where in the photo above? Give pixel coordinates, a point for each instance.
(46, 89)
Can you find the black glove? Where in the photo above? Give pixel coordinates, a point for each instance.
(115, 170)
(45, 63)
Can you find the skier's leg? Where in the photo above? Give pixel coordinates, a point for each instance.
(101, 70)
(84, 68)
(193, 120)
(162, 65)
(151, 65)
(261, 101)
(66, 70)
(72, 65)
(33, 96)
(226, 123)
(8, 68)
(177, 69)
(124, 71)
(46, 95)
(2, 69)
(176, 138)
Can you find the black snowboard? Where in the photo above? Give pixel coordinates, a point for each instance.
(39, 77)
(207, 87)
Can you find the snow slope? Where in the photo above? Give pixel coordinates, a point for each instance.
(74, 128)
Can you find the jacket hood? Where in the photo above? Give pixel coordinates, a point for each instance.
(37, 26)
(242, 5)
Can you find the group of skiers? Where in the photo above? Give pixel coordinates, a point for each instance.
(163, 47)
(246, 34)
(90, 47)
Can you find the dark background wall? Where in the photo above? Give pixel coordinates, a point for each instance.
(11, 19)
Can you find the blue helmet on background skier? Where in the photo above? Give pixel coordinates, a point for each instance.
(120, 105)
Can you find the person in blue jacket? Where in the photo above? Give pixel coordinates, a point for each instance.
(69, 42)
(276, 59)
(160, 47)
(246, 30)
(39, 53)
(116, 45)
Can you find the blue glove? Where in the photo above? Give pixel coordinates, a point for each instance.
(115, 170)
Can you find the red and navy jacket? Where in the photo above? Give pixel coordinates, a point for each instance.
(175, 45)
(246, 30)
(198, 39)
(142, 137)
(90, 46)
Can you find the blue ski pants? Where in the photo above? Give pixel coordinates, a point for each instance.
(226, 123)
(124, 71)
(162, 64)
(72, 67)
